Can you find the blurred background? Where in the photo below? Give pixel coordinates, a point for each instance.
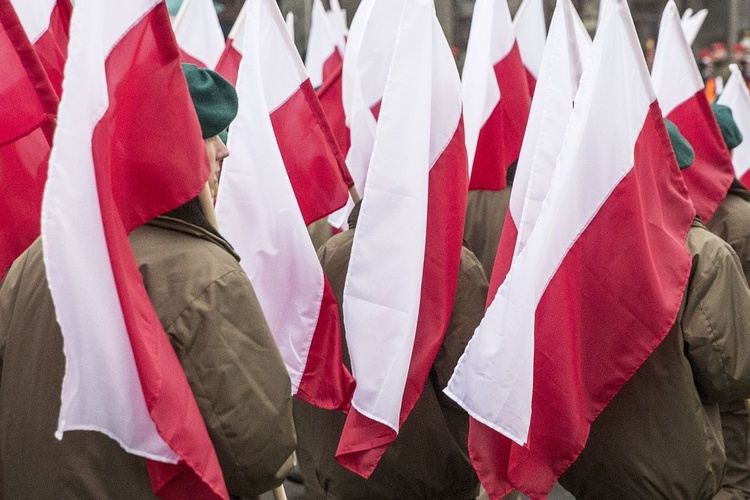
(728, 21)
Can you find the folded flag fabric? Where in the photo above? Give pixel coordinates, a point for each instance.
(107, 177)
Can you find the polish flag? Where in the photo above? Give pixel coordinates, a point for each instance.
(229, 62)
(325, 47)
(495, 95)
(258, 212)
(531, 33)
(199, 33)
(594, 290)
(47, 24)
(737, 98)
(679, 87)
(404, 280)
(313, 160)
(107, 177)
(560, 74)
(692, 23)
(369, 51)
(26, 128)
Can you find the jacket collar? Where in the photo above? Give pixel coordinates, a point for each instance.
(175, 224)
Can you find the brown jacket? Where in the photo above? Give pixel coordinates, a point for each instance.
(660, 436)
(214, 322)
(485, 215)
(731, 222)
(429, 459)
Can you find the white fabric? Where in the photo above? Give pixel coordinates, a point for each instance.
(101, 389)
(256, 206)
(598, 151)
(34, 15)
(337, 17)
(198, 31)
(321, 44)
(737, 98)
(369, 50)
(237, 33)
(675, 73)
(531, 33)
(562, 66)
(289, 24)
(692, 23)
(491, 38)
(605, 7)
(419, 116)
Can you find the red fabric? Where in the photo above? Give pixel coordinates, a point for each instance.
(531, 80)
(332, 64)
(500, 138)
(326, 382)
(711, 174)
(26, 128)
(504, 256)
(745, 179)
(229, 63)
(187, 58)
(313, 161)
(331, 100)
(139, 176)
(611, 302)
(52, 45)
(363, 441)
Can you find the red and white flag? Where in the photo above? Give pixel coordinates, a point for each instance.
(229, 62)
(596, 287)
(692, 23)
(325, 46)
(47, 24)
(402, 282)
(199, 33)
(531, 33)
(560, 74)
(495, 95)
(737, 98)
(107, 177)
(679, 87)
(313, 161)
(26, 127)
(258, 213)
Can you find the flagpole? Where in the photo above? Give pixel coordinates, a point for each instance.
(356, 198)
(279, 493)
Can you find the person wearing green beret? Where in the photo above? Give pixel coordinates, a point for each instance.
(661, 435)
(682, 149)
(215, 101)
(731, 222)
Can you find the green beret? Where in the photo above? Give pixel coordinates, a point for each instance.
(681, 147)
(729, 129)
(224, 136)
(214, 98)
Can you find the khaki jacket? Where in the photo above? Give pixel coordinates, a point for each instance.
(429, 459)
(731, 222)
(660, 436)
(485, 216)
(210, 313)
